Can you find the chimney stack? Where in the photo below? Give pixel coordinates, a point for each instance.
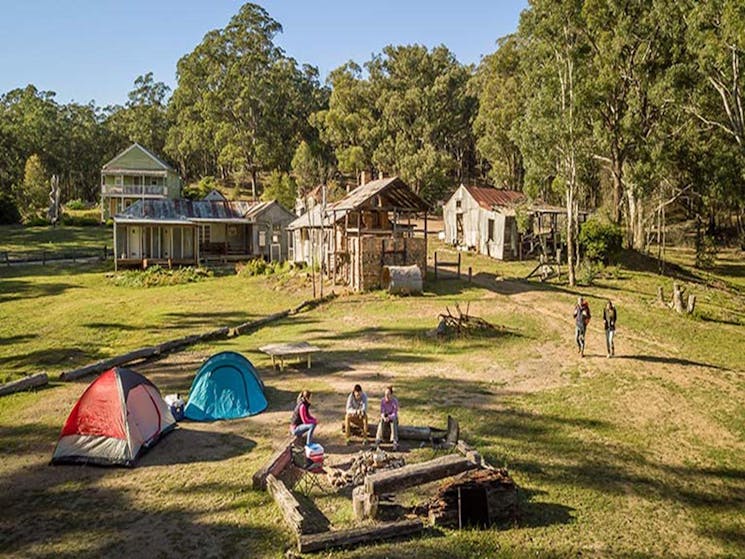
(363, 178)
(380, 175)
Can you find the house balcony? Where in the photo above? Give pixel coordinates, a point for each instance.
(135, 190)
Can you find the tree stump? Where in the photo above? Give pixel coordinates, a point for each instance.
(678, 291)
(691, 303)
(365, 504)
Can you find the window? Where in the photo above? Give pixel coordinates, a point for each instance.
(118, 180)
(262, 238)
(137, 181)
(154, 181)
(490, 230)
(205, 234)
(457, 204)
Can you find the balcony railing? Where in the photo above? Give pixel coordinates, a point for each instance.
(134, 190)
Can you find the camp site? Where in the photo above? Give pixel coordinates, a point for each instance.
(391, 280)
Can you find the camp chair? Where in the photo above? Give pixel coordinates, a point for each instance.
(304, 475)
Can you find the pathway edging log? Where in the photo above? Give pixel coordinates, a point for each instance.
(33, 381)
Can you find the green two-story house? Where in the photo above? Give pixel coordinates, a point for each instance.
(136, 174)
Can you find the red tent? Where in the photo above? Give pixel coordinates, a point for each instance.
(119, 415)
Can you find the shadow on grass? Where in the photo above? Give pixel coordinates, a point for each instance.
(15, 290)
(63, 503)
(50, 357)
(187, 445)
(669, 361)
(17, 339)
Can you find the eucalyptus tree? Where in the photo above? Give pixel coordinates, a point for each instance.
(554, 135)
(241, 105)
(498, 86)
(634, 44)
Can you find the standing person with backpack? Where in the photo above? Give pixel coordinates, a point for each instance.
(302, 421)
(609, 321)
(581, 320)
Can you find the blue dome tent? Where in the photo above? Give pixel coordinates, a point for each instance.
(227, 386)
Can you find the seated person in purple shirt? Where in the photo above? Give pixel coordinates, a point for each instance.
(388, 418)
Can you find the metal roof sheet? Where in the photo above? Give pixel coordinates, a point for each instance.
(488, 197)
(155, 210)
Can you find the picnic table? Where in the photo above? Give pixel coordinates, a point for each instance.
(289, 349)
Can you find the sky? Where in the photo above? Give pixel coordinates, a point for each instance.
(94, 49)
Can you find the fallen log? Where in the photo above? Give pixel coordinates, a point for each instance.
(287, 503)
(33, 381)
(355, 536)
(274, 466)
(106, 364)
(416, 474)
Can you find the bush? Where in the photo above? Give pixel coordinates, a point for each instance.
(76, 205)
(36, 220)
(156, 276)
(9, 214)
(259, 267)
(588, 271)
(81, 218)
(600, 241)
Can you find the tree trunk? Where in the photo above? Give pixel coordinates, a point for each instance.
(253, 184)
(570, 237)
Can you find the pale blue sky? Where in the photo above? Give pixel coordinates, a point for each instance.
(94, 49)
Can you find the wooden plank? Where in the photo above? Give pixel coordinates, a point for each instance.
(33, 381)
(389, 481)
(276, 463)
(356, 536)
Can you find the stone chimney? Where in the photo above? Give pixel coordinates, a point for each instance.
(380, 175)
(363, 178)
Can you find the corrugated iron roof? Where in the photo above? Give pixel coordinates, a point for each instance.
(398, 193)
(488, 197)
(192, 210)
(312, 218)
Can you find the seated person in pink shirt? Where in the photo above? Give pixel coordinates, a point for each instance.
(302, 420)
(388, 418)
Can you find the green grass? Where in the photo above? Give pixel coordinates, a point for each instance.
(17, 238)
(638, 456)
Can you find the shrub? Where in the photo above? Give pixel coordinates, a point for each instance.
(76, 205)
(81, 218)
(600, 241)
(9, 214)
(259, 267)
(588, 271)
(157, 276)
(36, 220)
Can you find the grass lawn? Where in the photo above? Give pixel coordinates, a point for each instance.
(17, 238)
(637, 456)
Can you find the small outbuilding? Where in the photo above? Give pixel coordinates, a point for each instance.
(483, 219)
